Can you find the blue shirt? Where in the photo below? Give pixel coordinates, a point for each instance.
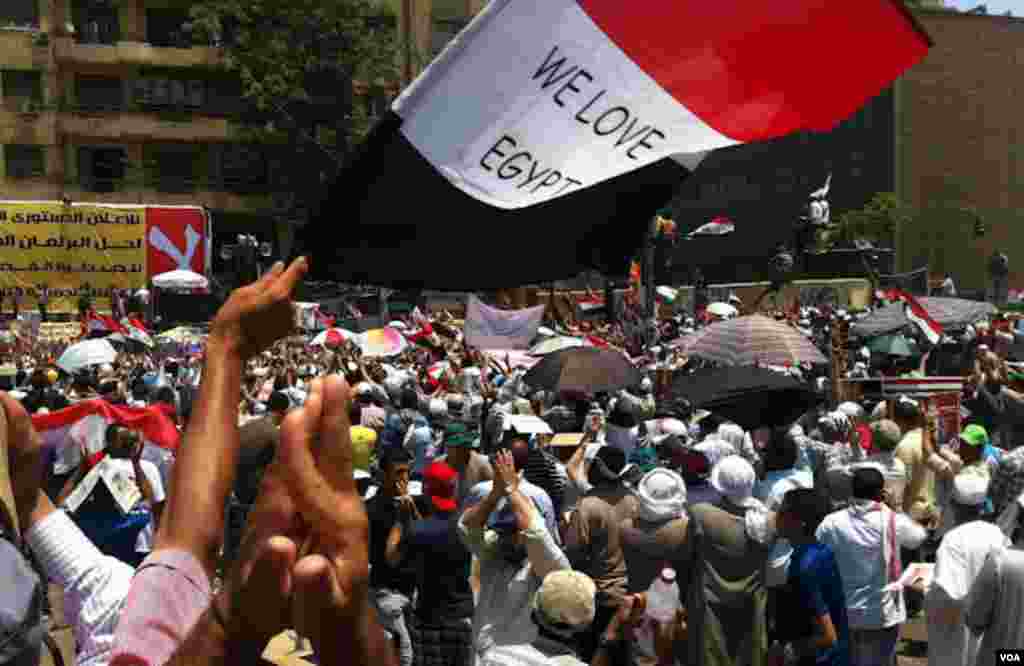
(442, 565)
(817, 589)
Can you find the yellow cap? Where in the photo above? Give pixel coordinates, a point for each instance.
(51, 376)
(363, 441)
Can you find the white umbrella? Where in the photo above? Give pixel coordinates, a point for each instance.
(181, 279)
(84, 354)
(552, 345)
(722, 310)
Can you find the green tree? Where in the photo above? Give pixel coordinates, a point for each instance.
(298, 62)
(879, 221)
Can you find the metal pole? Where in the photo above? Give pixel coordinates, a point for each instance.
(650, 307)
(609, 300)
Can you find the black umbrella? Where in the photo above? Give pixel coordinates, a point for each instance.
(951, 313)
(751, 397)
(583, 369)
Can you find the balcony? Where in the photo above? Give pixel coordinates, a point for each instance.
(23, 49)
(67, 50)
(34, 128)
(119, 126)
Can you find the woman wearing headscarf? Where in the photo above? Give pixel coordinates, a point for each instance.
(725, 595)
(654, 539)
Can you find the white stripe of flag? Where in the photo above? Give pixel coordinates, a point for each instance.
(921, 386)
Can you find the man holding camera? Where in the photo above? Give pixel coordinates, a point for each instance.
(128, 536)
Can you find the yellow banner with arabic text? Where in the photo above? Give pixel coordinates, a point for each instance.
(65, 250)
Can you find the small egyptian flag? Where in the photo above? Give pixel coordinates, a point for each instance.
(549, 132)
(719, 226)
(916, 314)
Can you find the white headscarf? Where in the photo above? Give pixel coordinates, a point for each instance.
(662, 495)
(716, 449)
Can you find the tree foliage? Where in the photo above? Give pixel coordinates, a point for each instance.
(879, 221)
(297, 61)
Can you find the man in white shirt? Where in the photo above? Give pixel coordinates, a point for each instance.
(958, 562)
(516, 549)
(866, 539)
(995, 603)
(95, 586)
(123, 459)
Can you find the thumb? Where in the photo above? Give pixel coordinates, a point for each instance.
(265, 578)
(316, 598)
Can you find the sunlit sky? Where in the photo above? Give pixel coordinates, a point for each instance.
(994, 6)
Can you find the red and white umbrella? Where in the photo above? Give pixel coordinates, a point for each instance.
(332, 337)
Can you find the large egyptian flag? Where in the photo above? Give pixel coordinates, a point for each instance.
(544, 138)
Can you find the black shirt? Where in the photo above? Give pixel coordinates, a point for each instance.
(383, 513)
(442, 565)
(258, 442)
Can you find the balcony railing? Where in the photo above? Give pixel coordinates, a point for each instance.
(134, 53)
(170, 184)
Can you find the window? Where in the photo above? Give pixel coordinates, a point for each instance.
(168, 28)
(162, 92)
(224, 96)
(376, 104)
(22, 89)
(101, 169)
(99, 93)
(96, 22)
(243, 169)
(175, 166)
(444, 31)
(24, 161)
(19, 13)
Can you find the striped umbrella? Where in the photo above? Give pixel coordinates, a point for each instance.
(751, 340)
(381, 342)
(950, 313)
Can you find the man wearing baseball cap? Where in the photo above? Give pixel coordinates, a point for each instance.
(463, 455)
(562, 609)
(443, 618)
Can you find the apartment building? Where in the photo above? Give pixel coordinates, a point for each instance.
(111, 101)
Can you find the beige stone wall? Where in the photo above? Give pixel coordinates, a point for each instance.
(959, 128)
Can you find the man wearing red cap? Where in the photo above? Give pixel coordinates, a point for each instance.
(442, 626)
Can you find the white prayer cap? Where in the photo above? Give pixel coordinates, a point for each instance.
(970, 489)
(734, 477)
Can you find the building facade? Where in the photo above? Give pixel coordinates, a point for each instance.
(109, 101)
(945, 138)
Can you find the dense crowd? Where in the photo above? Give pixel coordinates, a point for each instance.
(433, 509)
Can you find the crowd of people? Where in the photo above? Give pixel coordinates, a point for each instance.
(409, 511)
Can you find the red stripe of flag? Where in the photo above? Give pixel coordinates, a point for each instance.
(748, 69)
(155, 426)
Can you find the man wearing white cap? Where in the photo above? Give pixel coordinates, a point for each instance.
(656, 536)
(958, 562)
(995, 603)
(731, 542)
